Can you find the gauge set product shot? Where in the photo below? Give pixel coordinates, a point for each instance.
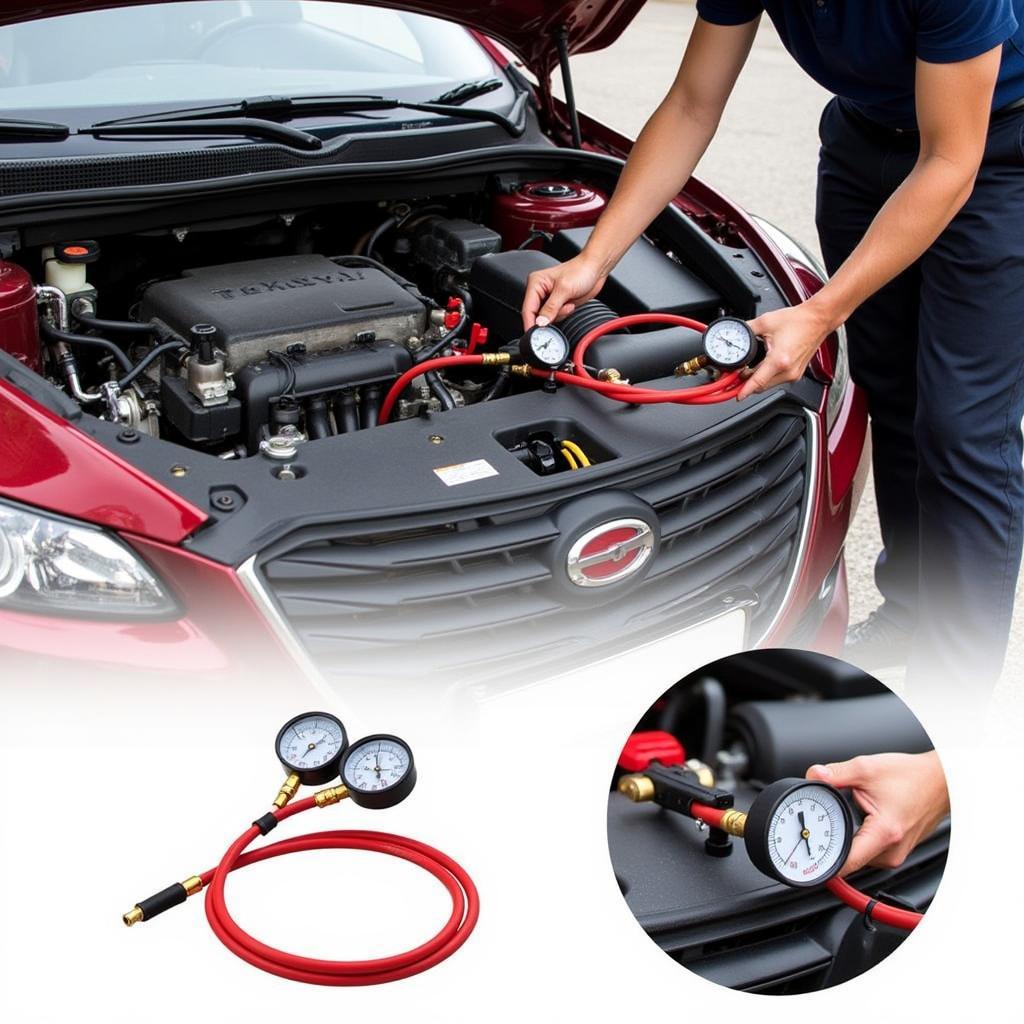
(747, 814)
(376, 772)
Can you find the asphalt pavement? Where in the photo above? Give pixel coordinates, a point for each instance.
(764, 157)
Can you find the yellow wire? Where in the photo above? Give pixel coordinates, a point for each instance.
(568, 458)
(577, 451)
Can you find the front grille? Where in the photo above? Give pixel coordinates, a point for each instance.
(476, 593)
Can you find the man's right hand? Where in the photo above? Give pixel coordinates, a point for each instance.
(556, 292)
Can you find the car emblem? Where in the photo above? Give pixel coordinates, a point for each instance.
(610, 553)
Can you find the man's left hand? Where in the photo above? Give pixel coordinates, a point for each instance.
(791, 337)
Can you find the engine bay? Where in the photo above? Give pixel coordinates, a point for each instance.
(260, 334)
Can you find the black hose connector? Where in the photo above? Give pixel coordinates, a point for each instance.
(54, 334)
(589, 316)
(95, 323)
(166, 899)
(176, 345)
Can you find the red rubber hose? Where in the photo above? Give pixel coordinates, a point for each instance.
(418, 370)
(465, 906)
(727, 387)
(907, 920)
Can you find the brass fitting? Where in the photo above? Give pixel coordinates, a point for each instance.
(734, 822)
(192, 885)
(287, 791)
(691, 366)
(705, 776)
(611, 376)
(134, 916)
(496, 358)
(334, 795)
(521, 370)
(639, 788)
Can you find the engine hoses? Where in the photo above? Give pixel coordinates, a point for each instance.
(875, 910)
(314, 971)
(724, 388)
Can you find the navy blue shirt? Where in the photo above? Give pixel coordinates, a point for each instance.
(866, 50)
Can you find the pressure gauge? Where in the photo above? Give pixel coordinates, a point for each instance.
(546, 347)
(311, 746)
(799, 832)
(729, 343)
(379, 771)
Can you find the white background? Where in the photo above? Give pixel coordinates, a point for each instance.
(109, 800)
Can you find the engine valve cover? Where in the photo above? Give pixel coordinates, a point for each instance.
(266, 305)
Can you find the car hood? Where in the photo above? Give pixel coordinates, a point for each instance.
(530, 28)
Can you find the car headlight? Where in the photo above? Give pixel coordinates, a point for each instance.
(840, 380)
(55, 566)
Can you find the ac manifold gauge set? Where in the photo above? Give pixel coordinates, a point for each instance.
(797, 831)
(375, 772)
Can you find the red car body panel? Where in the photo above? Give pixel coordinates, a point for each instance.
(46, 462)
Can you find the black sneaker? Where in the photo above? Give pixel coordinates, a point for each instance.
(877, 643)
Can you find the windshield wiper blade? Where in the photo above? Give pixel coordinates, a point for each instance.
(468, 91)
(249, 126)
(12, 128)
(263, 107)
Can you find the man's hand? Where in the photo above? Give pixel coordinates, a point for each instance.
(904, 797)
(554, 293)
(791, 336)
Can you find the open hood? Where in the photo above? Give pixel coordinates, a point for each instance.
(530, 28)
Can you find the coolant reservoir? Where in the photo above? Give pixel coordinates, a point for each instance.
(545, 206)
(19, 329)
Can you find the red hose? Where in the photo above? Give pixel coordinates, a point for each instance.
(727, 387)
(907, 920)
(465, 906)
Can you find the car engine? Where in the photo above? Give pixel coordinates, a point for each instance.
(277, 344)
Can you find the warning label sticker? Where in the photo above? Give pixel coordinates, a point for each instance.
(465, 472)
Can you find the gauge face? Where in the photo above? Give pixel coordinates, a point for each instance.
(546, 347)
(379, 771)
(801, 832)
(729, 343)
(311, 746)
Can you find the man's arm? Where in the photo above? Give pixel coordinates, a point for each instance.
(954, 103)
(660, 164)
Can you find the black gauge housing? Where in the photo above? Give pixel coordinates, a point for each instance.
(378, 799)
(757, 832)
(323, 773)
(529, 354)
(746, 359)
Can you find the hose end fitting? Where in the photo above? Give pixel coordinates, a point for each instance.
(334, 795)
(287, 791)
(639, 788)
(611, 376)
(734, 822)
(172, 896)
(691, 366)
(496, 358)
(521, 370)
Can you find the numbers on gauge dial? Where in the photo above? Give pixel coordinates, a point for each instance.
(728, 342)
(311, 742)
(807, 835)
(375, 765)
(545, 346)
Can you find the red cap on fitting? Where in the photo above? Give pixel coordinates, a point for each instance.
(453, 313)
(644, 747)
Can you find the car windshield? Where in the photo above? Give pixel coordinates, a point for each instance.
(183, 53)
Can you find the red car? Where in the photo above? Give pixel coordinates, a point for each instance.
(228, 229)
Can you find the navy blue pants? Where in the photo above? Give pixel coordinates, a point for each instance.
(940, 355)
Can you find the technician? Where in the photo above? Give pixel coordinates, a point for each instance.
(921, 220)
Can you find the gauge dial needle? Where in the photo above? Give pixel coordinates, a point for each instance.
(805, 834)
(791, 852)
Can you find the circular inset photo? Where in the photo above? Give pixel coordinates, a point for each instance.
(778, 822)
